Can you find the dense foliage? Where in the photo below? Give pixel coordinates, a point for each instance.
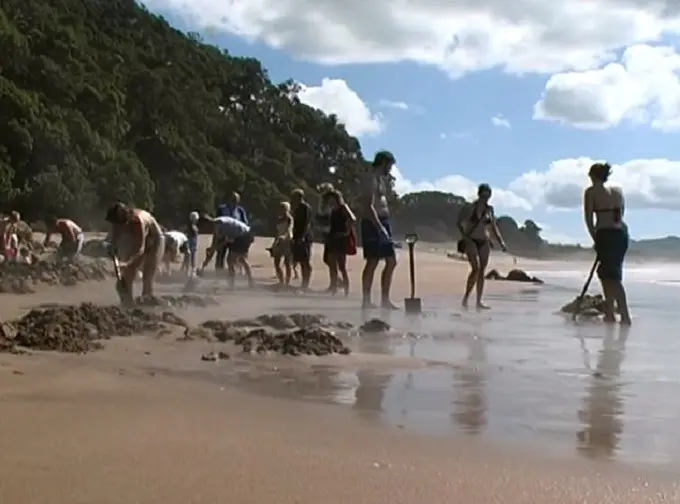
(104, 101)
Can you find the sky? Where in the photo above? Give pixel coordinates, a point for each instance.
(523, 95)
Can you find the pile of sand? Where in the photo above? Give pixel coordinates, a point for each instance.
(590, 306)
(75, 328)
(183, 301)
(22, 278)
(295, 334)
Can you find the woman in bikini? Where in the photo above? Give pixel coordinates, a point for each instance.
(341, 221)
(281, 250)
(473, 222)
(603, 209)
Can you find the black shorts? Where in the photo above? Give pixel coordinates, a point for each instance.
(241, 245)
(302, 251)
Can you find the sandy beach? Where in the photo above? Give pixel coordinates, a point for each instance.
(106, 427)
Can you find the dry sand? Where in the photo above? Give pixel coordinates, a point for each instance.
(99, 429)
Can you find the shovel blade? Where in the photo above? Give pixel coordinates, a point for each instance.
(413, 306)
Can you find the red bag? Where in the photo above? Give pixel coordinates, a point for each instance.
(351, 243)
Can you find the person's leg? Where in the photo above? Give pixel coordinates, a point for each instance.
(389, 255)
(483, 250)
(243, 248)
(332, 263)
(607, 271)
(287, 264)
(306, 264)
(473, 261)
(150, 261)
(342, 269)
(221, 255)
(277, 268)
(370, 244)
(618, 290)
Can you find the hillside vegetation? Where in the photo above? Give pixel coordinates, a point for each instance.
(104, 101)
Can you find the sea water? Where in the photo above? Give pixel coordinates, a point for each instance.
(522, 373)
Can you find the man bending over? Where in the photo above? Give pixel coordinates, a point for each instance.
(71, 237)
(138, 243)
(233, 233)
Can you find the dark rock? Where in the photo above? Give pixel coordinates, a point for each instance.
(514, 275)
(375, 326)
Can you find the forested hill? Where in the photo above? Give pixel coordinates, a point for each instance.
(103, 101)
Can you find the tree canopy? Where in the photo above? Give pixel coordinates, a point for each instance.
(105, 101)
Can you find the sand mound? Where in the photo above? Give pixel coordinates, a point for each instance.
(590, 306)
(22, 278)
(75, 328)
(296, 334)
(183, 301)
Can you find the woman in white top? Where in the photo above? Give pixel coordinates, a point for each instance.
(603, 210)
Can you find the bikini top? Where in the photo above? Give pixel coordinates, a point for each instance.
(485, 218)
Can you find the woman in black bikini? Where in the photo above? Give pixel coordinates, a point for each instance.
(472, 223)
(603, 209)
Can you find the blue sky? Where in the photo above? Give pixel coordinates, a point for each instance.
(617, 102)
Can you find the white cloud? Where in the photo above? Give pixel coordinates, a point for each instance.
(399, 105)
(500, 122)
(334, 96)
(459, 185)
(644, 87)
(554, 236)
(458, 37)
(646, 183)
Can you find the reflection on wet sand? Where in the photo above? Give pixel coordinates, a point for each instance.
(602, 406)
(370, 392)
(471, 407)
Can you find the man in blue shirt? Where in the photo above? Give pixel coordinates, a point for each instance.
(236, 211)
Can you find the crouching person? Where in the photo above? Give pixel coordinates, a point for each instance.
(175, 244)
(138, 243)
(234, 233)
(72, 237)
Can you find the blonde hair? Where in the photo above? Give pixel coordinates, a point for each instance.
(325, 187)
(285, 206)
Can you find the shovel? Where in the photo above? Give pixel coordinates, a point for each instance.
(412, 305)
(121, 285)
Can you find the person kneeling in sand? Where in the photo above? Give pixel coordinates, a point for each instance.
(72, 237)
(234, 233)
(175, 242)
(137, 241)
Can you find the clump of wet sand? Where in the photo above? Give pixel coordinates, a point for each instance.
(18, 278)
(589, 306)
(182, 301)
(75, 329)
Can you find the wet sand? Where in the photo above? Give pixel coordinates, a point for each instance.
(111, 426)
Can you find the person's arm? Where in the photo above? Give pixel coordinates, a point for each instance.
(496, 229)
(350, 214)
(244, 216)
(308, 220)
(589, 212)
(288, 233)
(48, 235)
(138, 242)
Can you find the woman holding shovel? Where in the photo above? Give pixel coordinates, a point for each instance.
(603, 209)
(137, 242)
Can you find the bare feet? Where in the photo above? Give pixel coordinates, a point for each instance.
(482, 306)
(367, 305)
(464, 302)
(388, 305)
